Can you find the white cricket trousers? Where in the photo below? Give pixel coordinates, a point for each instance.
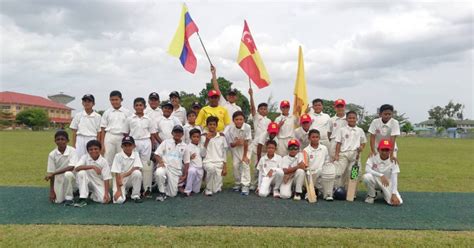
(297, 181)
(194, 179)
(241, 171)
(213, 176)
(86, 183)
(133, 181)
(113, 145)
(63, 186)
(167, 180)
(143, 147)
(374, 183)
(267, 182)
(343, 167)
(81, 144)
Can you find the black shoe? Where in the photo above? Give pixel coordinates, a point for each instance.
(68, 203)
(81, 203)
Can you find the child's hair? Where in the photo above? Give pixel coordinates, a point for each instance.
(139, 100)
(116, 93)
(238, 113)
(351, 112)
(317, 100)
(313, 131)
(263, 104)
(385, 107)
(190, 113)
(61, 133)
(92, 143)
(271, 142)
(212, 119)
(193, 131)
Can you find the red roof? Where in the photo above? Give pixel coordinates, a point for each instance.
(60, 120)
(20, 98)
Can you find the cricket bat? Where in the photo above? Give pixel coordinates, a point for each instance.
(312, 198)
(352, 186)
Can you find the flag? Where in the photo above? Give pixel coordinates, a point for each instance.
(301, 95)
(179, 46)
(250, 61)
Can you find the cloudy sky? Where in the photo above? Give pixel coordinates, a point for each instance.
(413, 55)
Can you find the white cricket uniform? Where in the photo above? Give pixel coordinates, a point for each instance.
(231, 107)
(114, 121)
(385, 131)
(262, 140)
(320, 122)
(297, 178)
(287, 132)
(266, 182)
(188, 127)
(302, 136)
(213, 162)
(63, 183)
(165, 125)
(375, 168)
(351, 139)
(260, 125)
(88, 181)
(154, 114)
(123, 163)
(323, 173)
(180, 114)
(173, 156)
(195, 171)
(87, 127)
(334, 124)
(241, 169)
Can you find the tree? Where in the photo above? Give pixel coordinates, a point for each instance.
(407, 127)
(444, 117)
(225, 86)
(35, 118)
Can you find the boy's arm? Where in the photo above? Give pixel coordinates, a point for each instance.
(338, 150)
(253, 110)
(246, 148)
(74, 137)
(106, 192)
(101, 139)
(63, 170)
(372, 145)
(259, 152)
(185, 173)
(52, 194)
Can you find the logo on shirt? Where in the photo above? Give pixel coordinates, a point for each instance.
(311, 156)
(335, 124)
(264, 165)
(347, 136)
(377, 131)
(374, 166)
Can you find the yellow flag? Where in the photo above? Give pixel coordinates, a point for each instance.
(301, 95)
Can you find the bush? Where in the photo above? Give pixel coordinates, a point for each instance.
(35, 118)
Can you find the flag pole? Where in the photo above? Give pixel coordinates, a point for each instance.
(250, 85)
(205, 51)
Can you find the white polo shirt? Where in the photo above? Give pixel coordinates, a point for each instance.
(302, 136)
(188, 127)
(350, 138)
(289, 161)
(335, 123)
(262, 140)
(260, 125)
(180, 113)
(196, 162)
(216, 149)
(287, 130)
(232, 132)
(384, 130)
(101, 162)
(317, 157)
(173, 155)
(154, 114)
(265, 164)
(231, 107)
(164, 126)
(320, 123)
(123, 163)
(86, 124)
(58, 160)
(140, 127)
(115, 120)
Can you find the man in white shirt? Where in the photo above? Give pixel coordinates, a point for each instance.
(178, 110)
(320, 121)
(85, 125)
(272, 174)
(335, 123)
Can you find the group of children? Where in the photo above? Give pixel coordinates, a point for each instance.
(173, 151)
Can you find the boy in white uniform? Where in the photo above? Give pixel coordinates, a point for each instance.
(351, 141)
(143, 131)
(301, 133)
(382, 174)
(272, 175)
(172, 157)
(85, 125)
(293, 167)
(384, 127)
(320, 121)
(178, 111)
(323, 173)
(231, 102)
(335, 123)
(214, 161)
(93, 175)
(239, 136)
(165, 123)
(113, 127)
(190, 125)
(61, 162)
(126, 170)
(286, 125)
(153, 110)
(195, 170)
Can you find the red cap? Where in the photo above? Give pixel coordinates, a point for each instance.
(293, 142)
(212, 93)
(284, 103)
(339, 102)
(385, 144)
(305, 118)
(272, 128)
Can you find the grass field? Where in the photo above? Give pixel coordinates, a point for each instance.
(434, 165)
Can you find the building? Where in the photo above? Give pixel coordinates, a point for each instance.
(463, 124)
(62, 98)
(14, 102)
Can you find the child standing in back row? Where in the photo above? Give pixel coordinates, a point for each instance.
(85, 125)
(384, 127)
(286, 125)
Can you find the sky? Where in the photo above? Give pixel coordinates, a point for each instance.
(413, 55)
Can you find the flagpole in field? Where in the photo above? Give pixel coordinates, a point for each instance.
(250, 85)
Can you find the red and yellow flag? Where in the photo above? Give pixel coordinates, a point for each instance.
(301, 95)
(250, 61)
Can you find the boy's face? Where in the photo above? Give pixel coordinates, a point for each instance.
(87, 104)
(340, 109)
(191, 118)
(263, 111)
(195, 138)
(128, 148)
(285, 110)
(384, 153)
(239, 121)
(351, 120)
(212, 126)
(167, 112)
(94, 152)
(196, 110)
(61, 142)
(139, 107)
(314, 139)
(271, 148)
(177, 136)
(154, 103)
(272, 135)
(386, 115)
(306, 125)
(213, 101)
(174, 100)
(293, 150)
(232, 98)
(317, 107)
(115, 101)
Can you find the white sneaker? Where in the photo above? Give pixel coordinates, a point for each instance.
(297, 197)
(208, 193)
(370, 200)
(329, 198)
(236, 188)
(276, 194)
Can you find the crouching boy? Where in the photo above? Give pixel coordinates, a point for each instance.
(293, 167)
(272, 175)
